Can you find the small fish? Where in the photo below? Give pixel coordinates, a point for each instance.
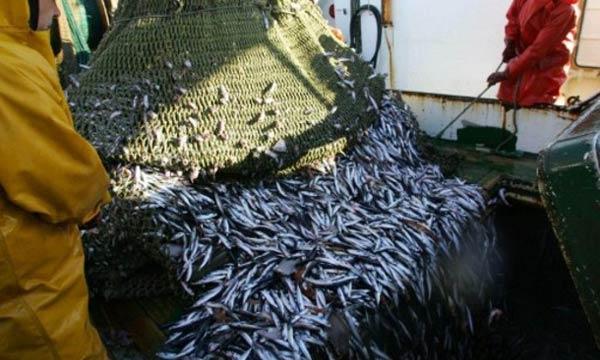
(115, 114)
(73, 80)
(146, 102)
(266, 21)
(276, 266)
(280, 146)
(224, 93)
(270, 90)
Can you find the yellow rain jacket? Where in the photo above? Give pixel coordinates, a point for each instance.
(51, 181)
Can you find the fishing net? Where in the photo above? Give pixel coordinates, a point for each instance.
(214, 86)
(211, 89)
(193, 105)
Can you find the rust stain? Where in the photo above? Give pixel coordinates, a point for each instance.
(386, 6)
(563, 112)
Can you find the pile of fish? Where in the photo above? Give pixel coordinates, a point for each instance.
(378, 242)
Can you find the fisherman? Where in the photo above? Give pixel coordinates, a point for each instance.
(51, 182)
(538, 38)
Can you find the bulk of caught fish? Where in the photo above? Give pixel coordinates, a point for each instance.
(321, 265)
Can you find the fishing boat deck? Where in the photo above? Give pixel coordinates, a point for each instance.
(143, 320)
(516, 173)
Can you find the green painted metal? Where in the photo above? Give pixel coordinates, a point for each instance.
(476, 163)
(569, 182)
(488, 136)
(514, 172)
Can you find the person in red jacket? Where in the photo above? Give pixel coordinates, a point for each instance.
(537, 51)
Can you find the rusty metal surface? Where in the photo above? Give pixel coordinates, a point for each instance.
(536, 127)
(386, 11)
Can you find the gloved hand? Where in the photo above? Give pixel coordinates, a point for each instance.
(510, 52)
(338, 34)
(497, 77)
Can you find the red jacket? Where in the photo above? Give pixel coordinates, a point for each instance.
(542, 30)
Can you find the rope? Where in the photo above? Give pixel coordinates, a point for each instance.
(514, 116)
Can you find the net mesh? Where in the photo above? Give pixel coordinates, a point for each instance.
(212, 87)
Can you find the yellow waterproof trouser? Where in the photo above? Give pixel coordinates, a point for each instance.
(51, 181)
(43, 294)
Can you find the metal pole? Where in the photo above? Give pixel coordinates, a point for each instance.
(439, 135)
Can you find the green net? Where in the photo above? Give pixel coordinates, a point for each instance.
(231, 87)
(235, 89)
